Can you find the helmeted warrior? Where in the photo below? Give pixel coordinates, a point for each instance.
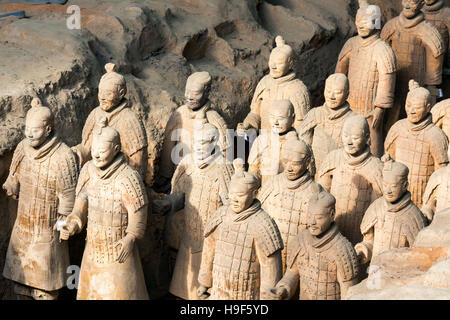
(264, 159)
(441, 116)
(43, 175)
(115, 107)
(417, 142)
(322, 126)
(242, 251)
(200, 185)
(112, 201)
(353, 175)
(281, 83)
(437, 193)
(285, 196)
(438, 15)
(370, 65)
(321, 260)
(180, 127)
(392, 221)
(419, 51)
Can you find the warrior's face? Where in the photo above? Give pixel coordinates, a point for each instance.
(294, 167)
(109, 95)
(195, 94)
(394, 187)
(412, 7)
(417, 108)
(354, 139)
(336, 93)
(103, 151)
(319, 219)
(203, 144)
(280, 120)
(279, 64)
(241, 198)
(36, 131)
(364, 25)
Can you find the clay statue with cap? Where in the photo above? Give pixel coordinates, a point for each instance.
(180, 127)
(117, 109)
(112, 201)
(392, 221)
(320, 260)
(241, 256)
(436, 197)
(417, 142)
(441, 116)
(370, 65)
(285, 196)
(419, 51)
(353, 175)
(200, 186)
(264, 157)
(322, 126)
(281, 83)
(43, 176)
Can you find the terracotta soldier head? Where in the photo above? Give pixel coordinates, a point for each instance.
(418, 102)
(198, 86)
(38, 124)
(368, 19)
(243, 188)
(395, 179)
(281, 116)
(204, 141)
(320, 213)
(355, 135)
(411, 8)
(282, 59)
(296, 156)
(105, 144)
(336, 90)
(111, 89)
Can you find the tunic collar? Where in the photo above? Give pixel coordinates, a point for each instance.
(204, 108)
(47, 148)
(286, 78)
(116, 110)
(237, 217)
(337, 113)
(111, 169)
(292, 185)
(409, 23)
(422, 124)
(402, 203)
(327, 237)
(355, 161)
(433, 8)
(369, 40)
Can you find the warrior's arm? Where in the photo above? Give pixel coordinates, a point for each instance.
(138, 161)
(433, 67)
(439, 148)
(209, 247)
(253, 119)
(326, 179)
(343, 62)
(364, 249)
(306, 131)
(166, 165)
(79, 213)
(345, 285)
(137, 222)
(12, 185)
(290, 280)
(271, 270)
(386, 89)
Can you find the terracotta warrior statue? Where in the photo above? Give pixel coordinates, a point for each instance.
(280, 83)
(417, 142)
(419, 51)
(264, 158)
(353, 175)
(285, 196)
(323, 125)
(200, 185)
(438, 15)
(370, 65)
(241, 256)
(180, 127)
(437, 193)
(321, 260)
(116, 108)
(112, 201)
(441, 116)
(43, 176)
(392, 221)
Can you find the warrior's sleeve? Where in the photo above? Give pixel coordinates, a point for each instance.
(415, 224)
(216, 120)
(271, 270)
(266, 190)
(389, 143)
(12, 182)
(376, 169)
(209, 247)
(67, 181)
(135, 200)
(83, 150)
(430, 194)
(388, 30)
(343, 62)
(176, 197)
(439, 112)
(347, 265)
(253, 119)
(434, 61)
(301, 101)
(166, 165)
(80, 208)
(291, 278)
(386, 64)
(367, 229)
(327, 169)
(254, 157)
(224, 182)
(439, 148)
(306, 131)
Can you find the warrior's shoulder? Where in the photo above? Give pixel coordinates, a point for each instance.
(131, 184)
(345, 257)
(215, 220)
(386, 56)
(431, 37)
(266, 231)
(389, 28)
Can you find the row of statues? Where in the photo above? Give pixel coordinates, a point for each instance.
(326, 188)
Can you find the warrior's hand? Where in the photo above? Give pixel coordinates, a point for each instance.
(11, 189)
(67, 230)
(127, 246)
(362, 253)
(241, 130)
(202, 292)
(377, 117)
(277, 293)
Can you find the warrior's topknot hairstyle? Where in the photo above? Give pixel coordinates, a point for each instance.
(111, 75)
(44, 114)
